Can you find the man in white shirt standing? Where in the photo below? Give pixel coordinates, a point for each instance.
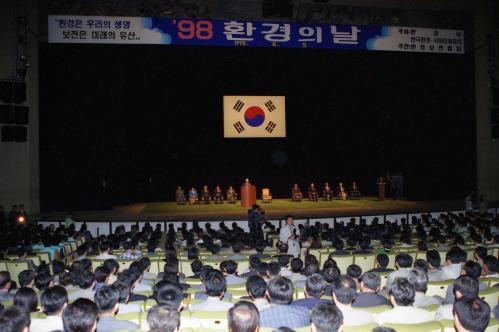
(290, 235)
(53, 301)
(402, 295)
(344, 293)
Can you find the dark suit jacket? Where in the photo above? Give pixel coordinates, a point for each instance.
(369, 300)
(309, 303)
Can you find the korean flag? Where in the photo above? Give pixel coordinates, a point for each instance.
(254, 116)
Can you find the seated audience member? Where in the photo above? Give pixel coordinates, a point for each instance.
(168, 294)
(163, 319)
(339, 251)
(107, 302)
(419, 279)
(86, 285)
(173, 279)
(421, 264)
(274, 270)
(14, 319)
(257, 290)
(330, 274)
(463, 287)
(53, 301)
(101, 277)
(215, 250)
(124, 291)
(236, 249)
(27, 278)
(216, 286)
(382, 261)
(105, 251)
(43, 281)
(260, 247)
(344, 293)
(5, 284)
(26, 298)
(480, 254)
(314, 289)
(354, 272)
(403, 264)
(80, 316)
(434, 260)
(296, 270)
(402, 295)
(470, 269)
(363, 247)
(113, 266)
(22, 256)
(229, 269)
(490, 267)
(130, 252)
(243, 317)
(454, 259)
(281, 312)
(131, 279)
(326, 317)
(253, 267)
(471, 315)
(369, 287)
(283, 260)
(145, 262)
(196, 267)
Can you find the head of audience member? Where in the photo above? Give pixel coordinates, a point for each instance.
(490, 265)
(330, 274)
(283, 261)
(256, 287)
(471, 315)
(370, 282)
(280, 291)
(27, 299)
(354, 271)
(196, 266)
(471, 269)
(274, 270)
(124, 289)
(422, 246)
(105, 247)
(296, 265)
(402, 293)
(169, 295)
(228, 267)
(214, 249)
(107, 300)
(112, 265)
(86, 280)
(433, 259)
(14, 319)
(27, 278)
(421, 264)
(162, 318)
(263, 270)
(326, 317)
(101, 274)
(455, 256)
(44, 281)
(80, 316)
(315, 286)
(54, 300)
(403, 260)
(215, 284)
(419, 279)
(260, 246)
(480, 253)
(5, 281)
(465, 287)
(311, 269)
(382, 260)
(243, 317)
(344, 291)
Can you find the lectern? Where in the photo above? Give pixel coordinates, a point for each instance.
(381, 188)
(248, 195)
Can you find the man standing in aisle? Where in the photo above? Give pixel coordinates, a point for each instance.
(254, 223)
(290, 235)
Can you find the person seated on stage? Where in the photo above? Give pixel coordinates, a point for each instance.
(296, 195)
(312, 193)
(354, 191)
(231, 195)
(341, 193)
(180, 196)
(205, 195)
(193, 196)
(218, 197)
(327, 192)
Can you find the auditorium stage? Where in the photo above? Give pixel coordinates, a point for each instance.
(170, 211)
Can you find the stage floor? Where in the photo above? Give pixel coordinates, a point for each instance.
(160, 211)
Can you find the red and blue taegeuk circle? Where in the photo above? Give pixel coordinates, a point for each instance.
(254, 116)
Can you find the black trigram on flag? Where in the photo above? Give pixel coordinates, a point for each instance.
(270, 106)
(238, 106)
(239, 127)
(270, 127)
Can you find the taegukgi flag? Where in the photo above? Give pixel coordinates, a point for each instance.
(254, 116)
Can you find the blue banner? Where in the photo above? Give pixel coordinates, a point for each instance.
(146, 30)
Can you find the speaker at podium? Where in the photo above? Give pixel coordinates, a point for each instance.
(248, 194)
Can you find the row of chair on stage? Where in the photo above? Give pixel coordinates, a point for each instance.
(218, 197)
(328, 193)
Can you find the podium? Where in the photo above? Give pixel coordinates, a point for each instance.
(381, 189)
(248, 195)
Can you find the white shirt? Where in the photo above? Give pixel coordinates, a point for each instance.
(421, 300)
(355, 317)
(404, 315)
(444, 312)
(402, 272)
(212, 304)
(126, 308)
(81, 293)
(451, 271)
(51, 323)
(105, 255)
(234, 280)
(261, 304)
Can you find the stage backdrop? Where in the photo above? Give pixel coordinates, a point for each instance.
(122, 123)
